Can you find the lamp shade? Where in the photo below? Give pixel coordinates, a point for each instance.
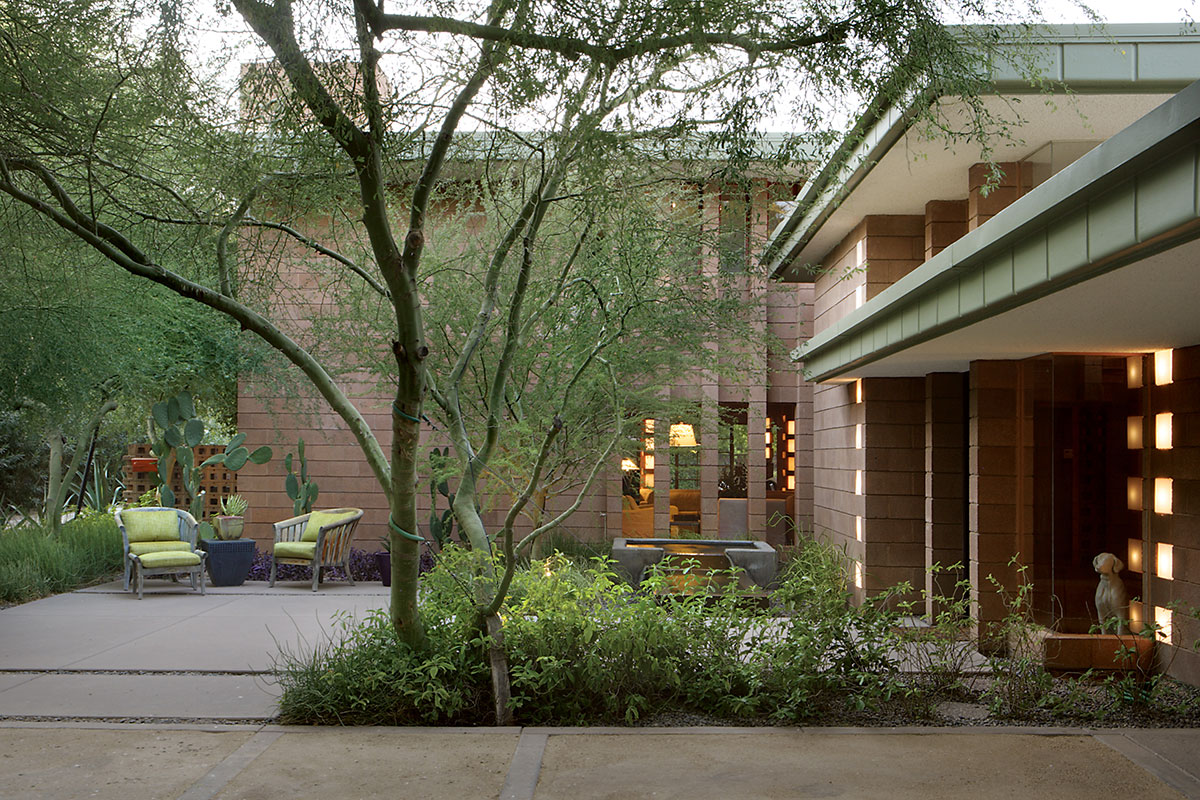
(683, 435)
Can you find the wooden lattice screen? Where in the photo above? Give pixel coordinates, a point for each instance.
(216, 482)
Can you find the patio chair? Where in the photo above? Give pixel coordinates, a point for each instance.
(320, 539)
(159, 541)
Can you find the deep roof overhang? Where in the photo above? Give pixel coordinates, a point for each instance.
(1102, 257)
(1128, 60)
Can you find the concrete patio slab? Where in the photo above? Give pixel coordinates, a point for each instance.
(802, 764)
(377, 763)
(107, 765)
(162, 696)
(56, 642)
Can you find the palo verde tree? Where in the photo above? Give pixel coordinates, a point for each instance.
(562, 116)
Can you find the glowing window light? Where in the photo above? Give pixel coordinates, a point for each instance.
(649, 461)
(791, 427)
(858, 528)
(791, 464)
(858, 481)
(648, 424)
(1133, 372)
(1162, 495)
(767, 452)
(860, 296)
(1165, 562)
(858, 575)
(858, 391)
(791, 482)
(1133, 493)
(1136, 616)
(1164, 618)
(1133, 432)
(628, 465)
(1162, 430)
(1163, 367)
(858, 436)
(1134, 556)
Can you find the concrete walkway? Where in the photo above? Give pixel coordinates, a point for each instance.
(104, 696)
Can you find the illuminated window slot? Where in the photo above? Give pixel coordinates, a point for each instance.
(1164, 367)
(858, 481)
(858, 436)
(1165, 562)
(1164, 618)
(1162, 430)
(858, 528)
(1134, 556)
(1133, 372)
(1133, 432)
(1133, 493)
(1162, 495)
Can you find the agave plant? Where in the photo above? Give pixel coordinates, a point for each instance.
(233, 506)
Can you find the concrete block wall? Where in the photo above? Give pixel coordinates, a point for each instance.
(837, 469)
(1179, 529)
(945, 223)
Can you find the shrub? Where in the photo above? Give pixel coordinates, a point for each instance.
(35, 564)
(585, 647)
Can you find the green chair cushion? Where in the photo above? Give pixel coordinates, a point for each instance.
(304, 550)
(151, 526)
(142, 548)
(320, 519)
(169, 558)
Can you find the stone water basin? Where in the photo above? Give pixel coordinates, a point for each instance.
(758, 560)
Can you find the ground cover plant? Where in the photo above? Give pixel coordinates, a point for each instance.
(586, 648)
(34, 563)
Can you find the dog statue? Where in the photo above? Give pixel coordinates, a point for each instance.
(1111, 598)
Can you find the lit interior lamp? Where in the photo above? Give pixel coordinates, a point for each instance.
(858, 436)
(1133, 432)
(683, 435)
(1163, 361)
(858, 487)
(1134, 557)
(1165, 562)
(1163, 618)
(1162, 495)
(1133, 372)
(628, 465)
(1162, 431)
(1133, 491)
(858, 528)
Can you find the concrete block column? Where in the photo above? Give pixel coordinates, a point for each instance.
(994, 490)
(1016, 180)
(945, 483)
(893, 440)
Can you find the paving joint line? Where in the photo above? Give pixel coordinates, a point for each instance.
(231, 766)
(526, 766)
(189, 672)
(1153, 762)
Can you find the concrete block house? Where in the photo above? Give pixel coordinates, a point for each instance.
(1006, 371)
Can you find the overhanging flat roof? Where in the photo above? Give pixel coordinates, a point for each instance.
(1100, 258)
(1117, 75)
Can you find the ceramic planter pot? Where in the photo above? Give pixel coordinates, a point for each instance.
(229, 527)
(229, 561)
(383, 560)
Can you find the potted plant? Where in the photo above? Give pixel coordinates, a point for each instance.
(230, 523)
(229, 556)
(383, 560)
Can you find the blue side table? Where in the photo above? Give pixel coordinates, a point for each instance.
(229, 560)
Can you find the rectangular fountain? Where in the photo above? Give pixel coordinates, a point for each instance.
(758, 560)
